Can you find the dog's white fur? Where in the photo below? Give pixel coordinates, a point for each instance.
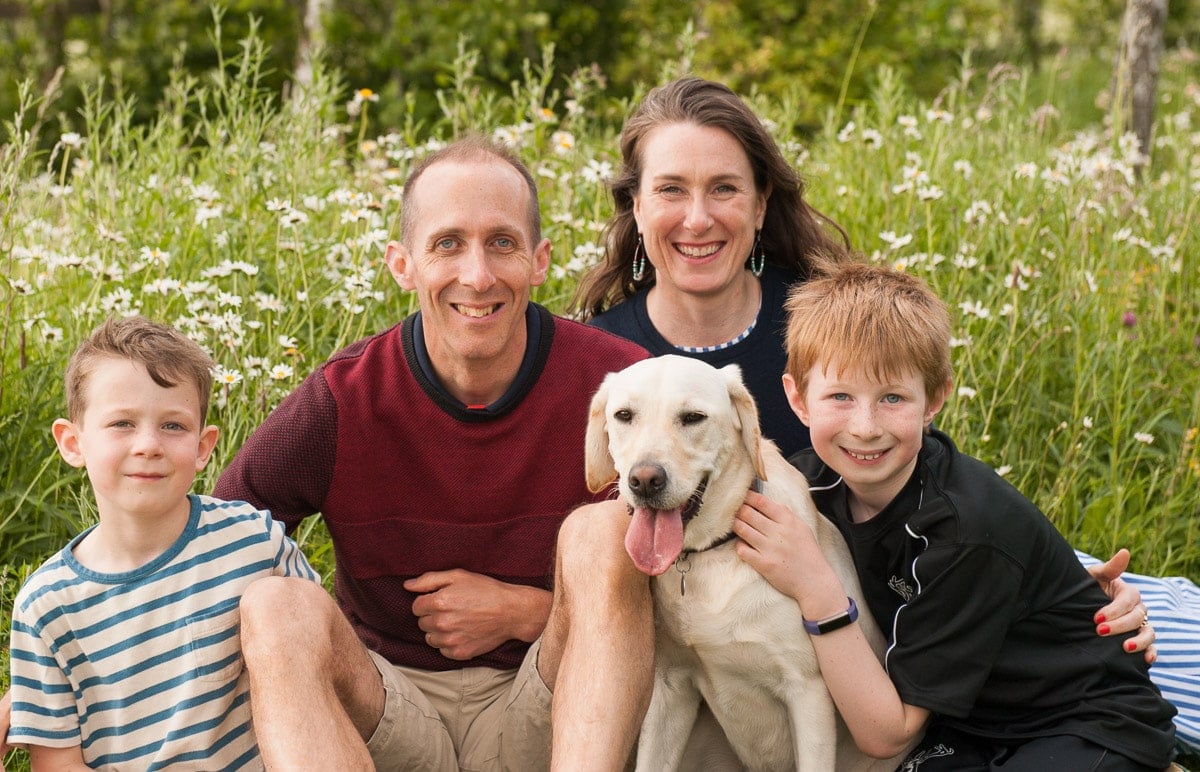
(729, 638)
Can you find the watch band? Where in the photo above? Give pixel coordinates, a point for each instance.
(832, 623)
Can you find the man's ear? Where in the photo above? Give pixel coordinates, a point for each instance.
(541, 263)
(66, 437)
(795, 399)
(399, 262)
(939, 399)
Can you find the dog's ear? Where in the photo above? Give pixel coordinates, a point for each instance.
(598, 462)
(747, 415)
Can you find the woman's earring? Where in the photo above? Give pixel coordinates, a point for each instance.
(758, 259)
(639, 261)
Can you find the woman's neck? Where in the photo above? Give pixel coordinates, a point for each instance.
(690, 320)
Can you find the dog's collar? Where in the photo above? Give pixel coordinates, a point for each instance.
(683, 563)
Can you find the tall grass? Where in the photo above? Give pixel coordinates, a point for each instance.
(258, 227)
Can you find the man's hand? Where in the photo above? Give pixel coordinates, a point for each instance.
(465, 614)
(1126, 613)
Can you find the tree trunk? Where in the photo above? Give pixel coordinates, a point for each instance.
(1029, 22)
(1136, 76)
(312, 39)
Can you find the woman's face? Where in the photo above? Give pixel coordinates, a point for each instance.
(697, 207)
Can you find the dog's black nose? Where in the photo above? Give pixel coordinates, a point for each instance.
(647, 479)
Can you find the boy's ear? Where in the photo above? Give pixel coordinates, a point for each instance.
(66, 437)
(208, 441)
(939, 399)
(795, 398)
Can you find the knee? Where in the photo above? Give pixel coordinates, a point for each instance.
(280, 611)
(595, 534)
(591, 550)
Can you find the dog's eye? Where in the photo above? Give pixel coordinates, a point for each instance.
(687, 419)
(624, 415)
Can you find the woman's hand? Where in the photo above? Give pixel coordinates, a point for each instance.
(1126, 613)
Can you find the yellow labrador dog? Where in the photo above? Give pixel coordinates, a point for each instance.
(682, 439)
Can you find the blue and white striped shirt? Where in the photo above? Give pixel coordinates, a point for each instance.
(143, 669)
(1174, 604)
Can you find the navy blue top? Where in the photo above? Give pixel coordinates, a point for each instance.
(761, 355)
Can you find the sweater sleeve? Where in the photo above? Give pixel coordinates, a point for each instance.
(286, 465)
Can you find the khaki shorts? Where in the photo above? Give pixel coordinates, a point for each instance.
(477, 718)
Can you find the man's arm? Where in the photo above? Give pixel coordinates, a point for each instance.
(465, 614)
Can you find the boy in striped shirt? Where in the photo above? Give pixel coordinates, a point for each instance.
(125, 646)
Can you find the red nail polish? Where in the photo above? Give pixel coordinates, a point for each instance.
(1103, 629)
(1099, 618)
(1130, 645)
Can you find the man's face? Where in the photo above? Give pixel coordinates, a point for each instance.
(472, 261)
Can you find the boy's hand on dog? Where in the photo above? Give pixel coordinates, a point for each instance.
(781, 547)
(465, 614)
(1126, 613)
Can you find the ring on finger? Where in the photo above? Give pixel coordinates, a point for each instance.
(1145, 618)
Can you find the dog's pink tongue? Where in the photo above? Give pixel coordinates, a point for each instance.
(655, 538)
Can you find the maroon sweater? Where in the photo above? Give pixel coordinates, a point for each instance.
(408, 480)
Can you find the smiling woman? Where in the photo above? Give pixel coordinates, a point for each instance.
(710, 229)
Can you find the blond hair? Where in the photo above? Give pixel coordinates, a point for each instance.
(878, 319)
(167, 354)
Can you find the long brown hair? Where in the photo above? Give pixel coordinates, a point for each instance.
(794, 235)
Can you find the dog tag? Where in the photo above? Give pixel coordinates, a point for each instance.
(683, 565)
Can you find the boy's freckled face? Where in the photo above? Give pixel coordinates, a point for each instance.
(142, 444)
(867, 431)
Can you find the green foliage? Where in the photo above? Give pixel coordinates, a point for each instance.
(131, 47)
(257, 223)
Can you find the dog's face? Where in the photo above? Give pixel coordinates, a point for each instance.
(682, 438)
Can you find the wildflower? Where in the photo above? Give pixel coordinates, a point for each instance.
(20, 286)
(226, 377)
(596, 171)
(281, 372)
(155, 255)
(872, 138)
(1004, 471)
(1129, 319)
(206, 213)
(930, 193)
(1027, 170)
(847, 132)
(938, 116)
(293, 217)
(361, 96)
(966, 392)
(979, 211)
(964, 167)
(894, 241)
(1087, 422)
(114, 236)
(545, 114)
(71, 139)
(277, 205)
(1144, 437)
(1190, 435)
(205, 193)
(975, 308)
(562, 141)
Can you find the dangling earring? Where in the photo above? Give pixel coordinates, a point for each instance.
(639, 261)
(759, 258)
